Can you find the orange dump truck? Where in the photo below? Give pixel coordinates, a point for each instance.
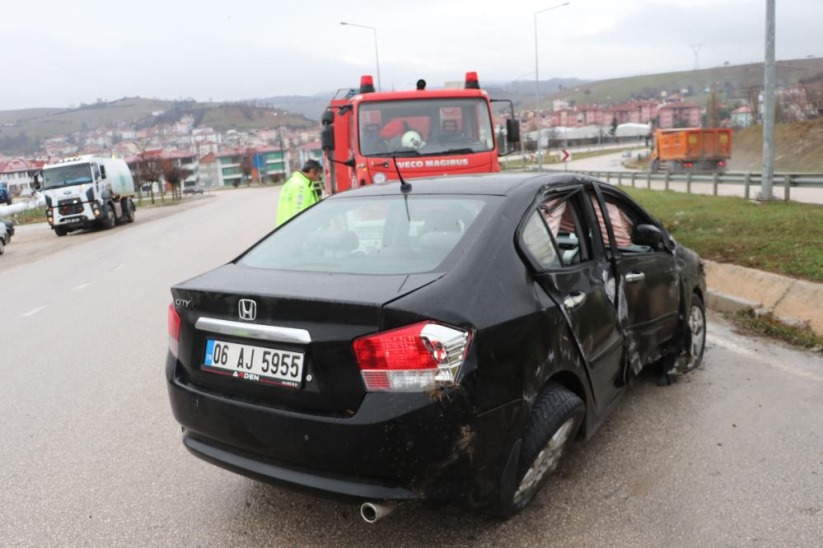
(691, 149)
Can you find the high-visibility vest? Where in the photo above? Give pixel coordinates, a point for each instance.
(296, 195)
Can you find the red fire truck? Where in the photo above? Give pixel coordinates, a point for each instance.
(369, 136)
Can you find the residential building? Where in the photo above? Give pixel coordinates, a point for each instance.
(681, 114)
(19, 173)
(742, 117)
(210, 171)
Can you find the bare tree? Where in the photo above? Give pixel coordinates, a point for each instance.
(247, 165)
(713, 108)
(174, 175)
(814, 93)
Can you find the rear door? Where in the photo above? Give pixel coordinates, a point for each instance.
(573, 271)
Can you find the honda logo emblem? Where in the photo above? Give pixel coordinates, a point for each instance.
(247, 309)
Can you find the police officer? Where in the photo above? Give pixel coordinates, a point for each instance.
(298, 193)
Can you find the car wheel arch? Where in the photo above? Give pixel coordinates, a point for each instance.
(573, 383)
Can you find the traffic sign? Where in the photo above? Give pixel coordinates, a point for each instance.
(565, 155)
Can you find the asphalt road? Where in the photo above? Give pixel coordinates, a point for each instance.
(731, 455)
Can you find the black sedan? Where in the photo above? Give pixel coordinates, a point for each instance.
(444, 340)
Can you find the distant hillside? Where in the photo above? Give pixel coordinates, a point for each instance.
(798, 147)
(521, 92)
(22, 130)
(733, 81)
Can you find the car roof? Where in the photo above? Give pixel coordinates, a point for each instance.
(495, 184)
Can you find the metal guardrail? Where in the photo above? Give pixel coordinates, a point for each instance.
(644, 179)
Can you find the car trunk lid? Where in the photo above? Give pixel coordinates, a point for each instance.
(297, 319)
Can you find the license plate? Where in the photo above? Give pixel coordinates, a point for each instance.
(254, 363)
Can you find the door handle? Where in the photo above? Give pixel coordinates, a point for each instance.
(573, 300)
(635, 277)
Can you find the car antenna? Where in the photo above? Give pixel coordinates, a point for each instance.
(405, 186)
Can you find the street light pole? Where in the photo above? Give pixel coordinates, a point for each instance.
(768, 108)
(376, 54)
(539, 118)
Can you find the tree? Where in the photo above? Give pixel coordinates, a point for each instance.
(174, 175)
(147, 170)
(613, 128)
(713, 108)
(247, 165)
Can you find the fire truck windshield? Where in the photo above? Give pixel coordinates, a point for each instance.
(425, 127)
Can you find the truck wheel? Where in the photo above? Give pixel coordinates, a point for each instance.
(60, 231)
(128, 210)
(552, 427)
(2, 246)
(109, 219)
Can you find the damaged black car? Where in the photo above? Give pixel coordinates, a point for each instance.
(441, 340)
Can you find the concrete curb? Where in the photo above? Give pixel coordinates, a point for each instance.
(795, 302)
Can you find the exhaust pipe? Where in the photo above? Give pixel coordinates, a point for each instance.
(371, 512)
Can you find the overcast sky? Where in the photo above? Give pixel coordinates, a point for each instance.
(57, 53)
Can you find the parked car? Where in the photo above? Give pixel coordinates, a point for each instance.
(5, 194)
(4, 238)
(192, 190)
(444, 340)
(9, 224)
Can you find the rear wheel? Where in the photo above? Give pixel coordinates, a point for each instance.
(555, 419)
(695, 343)
(60, 231)
(2, 246)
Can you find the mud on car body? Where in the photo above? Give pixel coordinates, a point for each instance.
(443, 342)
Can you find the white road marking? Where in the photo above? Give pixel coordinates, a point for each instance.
(118, 267)
(32, 312)
(81, 286)
(762, 358)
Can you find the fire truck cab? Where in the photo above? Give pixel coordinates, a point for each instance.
(369, 136)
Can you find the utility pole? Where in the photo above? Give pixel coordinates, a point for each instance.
(768, 109)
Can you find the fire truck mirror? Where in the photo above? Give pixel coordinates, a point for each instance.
(327, 138)
(327, 118)
(513, 131)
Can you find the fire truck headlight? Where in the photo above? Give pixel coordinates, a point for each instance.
(380, 178)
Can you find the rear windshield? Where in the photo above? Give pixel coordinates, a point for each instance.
(375, 235)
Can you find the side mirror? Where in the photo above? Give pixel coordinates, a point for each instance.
(512, 131)
(102, 172)
(327, 118)
(648, 235)
(327, 138)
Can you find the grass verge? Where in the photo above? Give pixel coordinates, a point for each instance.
(780, 237)
(767, 324)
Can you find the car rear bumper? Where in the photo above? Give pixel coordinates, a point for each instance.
(395, 446)
(256, 468)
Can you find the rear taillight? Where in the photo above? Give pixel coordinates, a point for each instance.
(174, 330)
(412, 358)
(721, 163)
